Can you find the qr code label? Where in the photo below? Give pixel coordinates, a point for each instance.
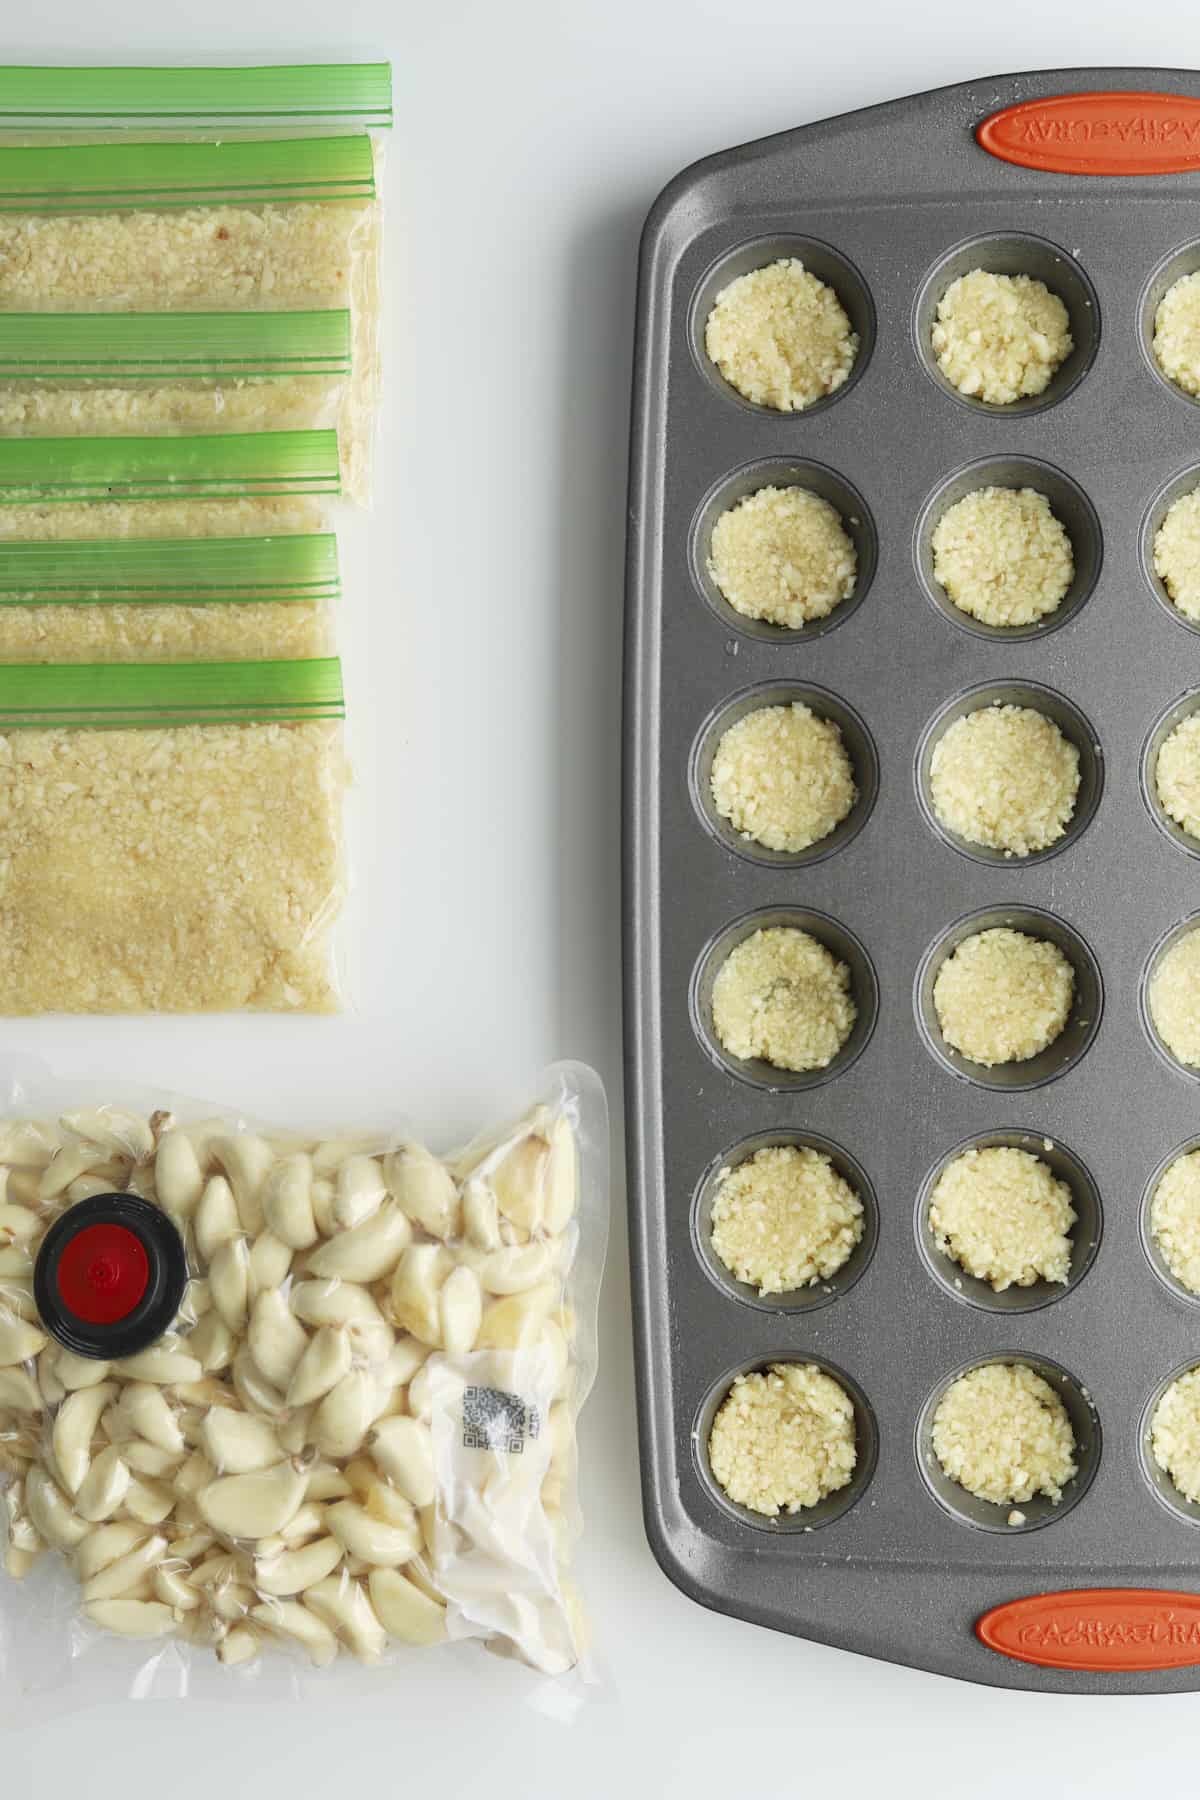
(496, 1420)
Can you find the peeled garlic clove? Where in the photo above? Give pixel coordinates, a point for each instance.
(148, 1501)
(161, 1365)
(270, 1263)
(17, 1563)
(216, 1219)
(515, 1267)
(77, 1372)
(149, 1459)
(67, 1165)
(322, 1366)
(415, 1288)
(246, 1160)
(329, 1156)
(131, 1618)
(105, 1545)
(241, 1645)
(237, 1443)
(126, 1572)
(402, 1449)
(377, 1541)
(50, 1513)
(229, 1281)
(75, 1425)
(324, 1197)
(460, 1310)
(425, 1190)
(148, 1411)
(290, 1619)
(19, 1341)
(212, 1343)
(253, 1389)
(515, 1322)
(403, 1610)
(333, 1302)
(277, 1339)
(28, 1143)
(308, 1522)
(345, 1608)
(174, 1591)
(360, 1191)
(293, 1430)
(481, 1215)
(366, 1252)
(19, 1392)
(291, 1571)
(517, 1182)
(287, 1200)
(178, 1176)
(104, 1487)
(121, 1133)
(345, 1415)
(325, 1483)
(253, 1506)
(17, 1225)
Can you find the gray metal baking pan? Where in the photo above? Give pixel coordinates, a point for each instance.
(889, 204)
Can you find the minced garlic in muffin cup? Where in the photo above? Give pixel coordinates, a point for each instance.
(1002, 557)
(782, 777)
(1173, 997)
(782, 997)
(1177, 554)
(1177, 775)
(783, 1439)
(1004, 1217)
(1175, 1434)
(1000, 338)
(1006, 778)
(784, 1219)
(781, 337)
(1174, 1220)
(1001, 1432)
(783, 555)
(1177, 334)
(1003, 996)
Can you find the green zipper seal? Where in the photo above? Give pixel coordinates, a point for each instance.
(156, 346)
(42, 471)
(72, 178)
(169, 571)
(38, 695)
(358, 91)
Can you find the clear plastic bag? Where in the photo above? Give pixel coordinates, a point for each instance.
(243, 484)
(270, 201)
(172, 836)
(168, 600)
(358, 1437)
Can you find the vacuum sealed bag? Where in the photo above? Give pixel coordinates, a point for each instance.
(354, 1433)
(242, 485)
(172, 836)
(168, 599)
(151, 190)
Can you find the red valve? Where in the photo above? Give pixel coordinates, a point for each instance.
(103, 1273)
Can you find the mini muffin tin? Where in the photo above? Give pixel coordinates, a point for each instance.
(889, 205)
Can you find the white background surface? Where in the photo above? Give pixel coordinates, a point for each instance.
(482, 642)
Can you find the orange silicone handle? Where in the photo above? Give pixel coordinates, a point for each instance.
(1098, 134)
(1111, 1631)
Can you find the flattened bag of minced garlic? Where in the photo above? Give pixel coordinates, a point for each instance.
(358, 1434)
(236, 599)
(87, 489)
(199, 190)
(150, 374)
(170, 836)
